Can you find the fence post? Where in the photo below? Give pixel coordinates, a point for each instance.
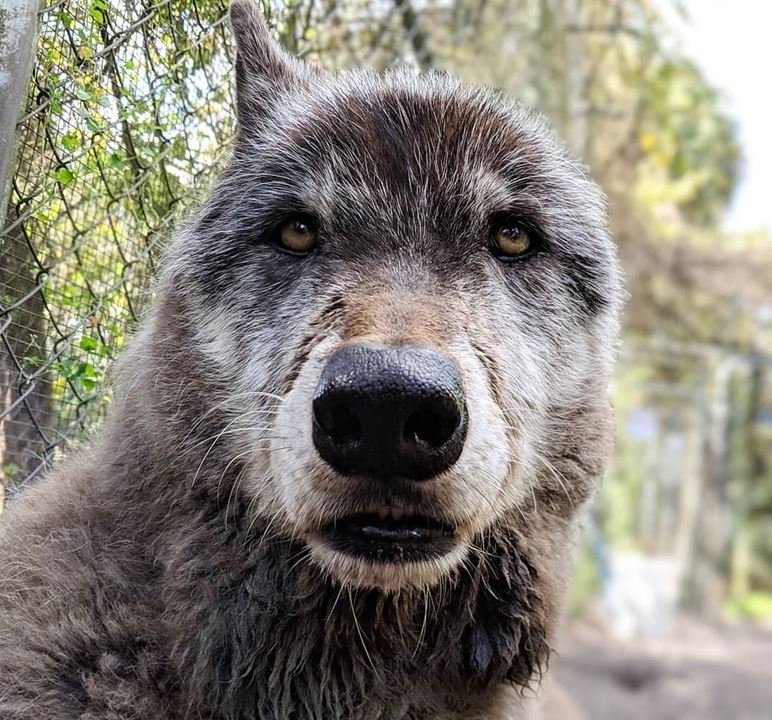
(18, 24)
(714, 526)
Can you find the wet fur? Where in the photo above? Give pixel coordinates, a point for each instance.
(164, 571)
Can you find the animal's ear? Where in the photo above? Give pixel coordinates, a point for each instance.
(263, 69)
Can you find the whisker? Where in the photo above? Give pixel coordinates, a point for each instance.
(359, 632)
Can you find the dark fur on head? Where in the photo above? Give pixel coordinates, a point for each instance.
(172, 570)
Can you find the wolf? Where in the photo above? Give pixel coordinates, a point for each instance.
(351, 440)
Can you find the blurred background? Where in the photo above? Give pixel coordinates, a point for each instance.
(116, 114)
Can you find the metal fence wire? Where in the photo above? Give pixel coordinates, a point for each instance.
(128, 113)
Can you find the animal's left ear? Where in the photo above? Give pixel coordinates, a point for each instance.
(264, 70)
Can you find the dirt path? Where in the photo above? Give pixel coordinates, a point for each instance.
(703, 672)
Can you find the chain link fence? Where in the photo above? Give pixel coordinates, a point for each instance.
(690, 479)
(128, 113)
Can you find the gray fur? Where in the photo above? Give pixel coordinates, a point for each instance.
(168, 570)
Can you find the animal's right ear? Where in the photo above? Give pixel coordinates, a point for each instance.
(263, 69)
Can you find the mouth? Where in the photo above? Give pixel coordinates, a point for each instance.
(390, 537)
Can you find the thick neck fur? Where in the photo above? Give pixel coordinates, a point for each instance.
(268, 637)
(258, 631)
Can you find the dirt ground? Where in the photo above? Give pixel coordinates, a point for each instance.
(702, 672)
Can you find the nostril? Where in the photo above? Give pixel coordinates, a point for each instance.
(432, 426)
(340, 424)
(394, 412)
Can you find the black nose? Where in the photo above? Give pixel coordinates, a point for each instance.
(392, 411)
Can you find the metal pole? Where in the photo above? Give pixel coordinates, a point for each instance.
(18, 25)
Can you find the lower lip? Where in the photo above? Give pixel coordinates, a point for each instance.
(380, 540)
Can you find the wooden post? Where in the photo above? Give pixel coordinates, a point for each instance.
(18, 26)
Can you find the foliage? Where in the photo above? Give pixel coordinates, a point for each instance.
(128, 111)
(688, 147)
(753, 606)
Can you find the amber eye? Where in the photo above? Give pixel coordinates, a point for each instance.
(511, 240)
(297, 236)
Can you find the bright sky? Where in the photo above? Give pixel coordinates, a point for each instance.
(732, 42)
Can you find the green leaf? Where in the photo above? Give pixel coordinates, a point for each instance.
(71, 142)
(11, 470)
(65, 18)
(88, 375)
(97, 14)
(66, 368)
(97, 10)
(116, 161)
(82, 93)
(88, 344)
(93, 125)
(64, 175)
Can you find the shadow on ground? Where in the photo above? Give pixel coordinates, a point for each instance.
(702, 672)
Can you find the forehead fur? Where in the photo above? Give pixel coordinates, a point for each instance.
(397, 135)
(424, 139)
(404, 123)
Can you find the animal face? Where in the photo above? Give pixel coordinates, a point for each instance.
(411, 291)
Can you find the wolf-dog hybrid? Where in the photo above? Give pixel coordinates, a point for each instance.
(351, 440)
